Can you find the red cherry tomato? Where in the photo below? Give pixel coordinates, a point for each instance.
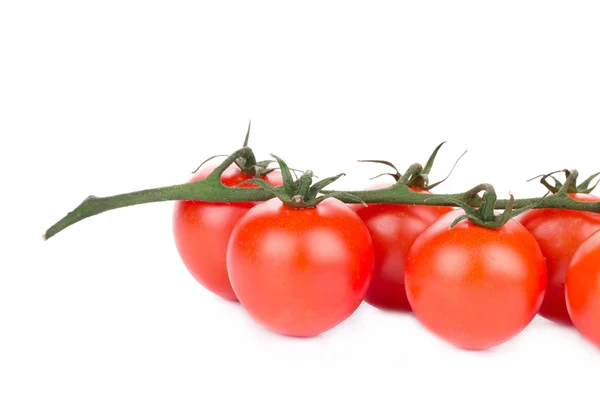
(582, 289)
(300, 272)
(559, 234)
(472, 286)
(393, 229)
(202, 230)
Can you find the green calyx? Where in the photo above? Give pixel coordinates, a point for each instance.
(485, 214)
(417, 175)
(570, 184)
(246, 160)
(302, 192)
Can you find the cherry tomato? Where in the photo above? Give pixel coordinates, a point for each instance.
(202, 230)
(472, 286)
(300, 272)
(582, 289)
(559, 234)
(393, 229)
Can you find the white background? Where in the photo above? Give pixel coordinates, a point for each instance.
(113, 96)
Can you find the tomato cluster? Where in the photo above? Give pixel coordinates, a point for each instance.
(300, 271)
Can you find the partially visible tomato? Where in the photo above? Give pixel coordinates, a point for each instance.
(559, 234)
(300, 272)
(202, 230)
(393, 229)
(582, 289)
(472, 286)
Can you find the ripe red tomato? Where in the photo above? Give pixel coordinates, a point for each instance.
(393, 229)
(300, 272)
(559, 233)
(472, 286)
(202, 230)
(582, 289)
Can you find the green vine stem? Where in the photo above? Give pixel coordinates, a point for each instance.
(211, 189)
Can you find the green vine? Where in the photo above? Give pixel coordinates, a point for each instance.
(478, 203)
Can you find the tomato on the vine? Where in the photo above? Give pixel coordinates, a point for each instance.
(559, 233)
(582, 289)
(394, 228)
(475, 287)
(202, 230)
(300, 271)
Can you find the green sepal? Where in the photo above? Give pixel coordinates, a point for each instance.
(383, 174)
(247, 134)
(570, 183)
(584, 186)
(416, 176)
(288, 181)
(431, 186)
(457, 220)
(317, 187)
(396, 176)
(207, 160)
(431, 160)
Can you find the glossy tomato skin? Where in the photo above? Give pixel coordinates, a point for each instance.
(393, 229)
(472, 286)
(582, 289)
(559, 234)
(202, 230)
(300, 272)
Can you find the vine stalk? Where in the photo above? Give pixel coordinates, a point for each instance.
(211, 189)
